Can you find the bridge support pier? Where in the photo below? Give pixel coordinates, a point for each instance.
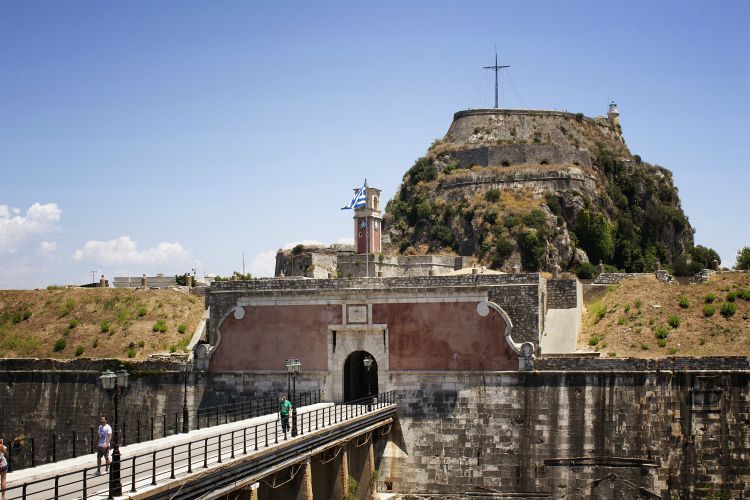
(344, 473)
(305, 491)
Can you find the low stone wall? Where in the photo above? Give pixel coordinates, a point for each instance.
(562, 294)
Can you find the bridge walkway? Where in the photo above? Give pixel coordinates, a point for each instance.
(194, 464)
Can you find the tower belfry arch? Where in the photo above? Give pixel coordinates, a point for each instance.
(496, 69)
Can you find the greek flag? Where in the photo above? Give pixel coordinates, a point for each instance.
(359, 200)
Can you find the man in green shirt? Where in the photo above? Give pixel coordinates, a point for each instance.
(284, 409)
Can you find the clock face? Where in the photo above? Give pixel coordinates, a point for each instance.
(363, 224)
(375, 225)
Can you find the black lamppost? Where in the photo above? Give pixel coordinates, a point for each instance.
(368, 364)
(293, 367)
(185, 368)
(115, 384)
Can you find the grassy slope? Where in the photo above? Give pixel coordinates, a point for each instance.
(633, 333)
(77, 315)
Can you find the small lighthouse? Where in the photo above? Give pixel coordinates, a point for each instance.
(613, 115)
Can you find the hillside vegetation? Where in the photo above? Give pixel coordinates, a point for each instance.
(644, 317)
(96, 322)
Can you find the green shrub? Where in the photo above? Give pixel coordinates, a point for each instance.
(709, 298)
(579, 117)
(422, 170)
(95, 343)
(731, 296)
(594, 340)
(72, 324)
(644, 346)
(442, 234)
(79, 350)
(141, 343)
(60, 345)
(182, 328)
(142, 312)
(708, 310)
(131, 352)
(532, 250)
(159, 326)
(627, 308)
(662, 332)
(671, 351)
(600, 310)
(684, 302)
(728, 309)
(586, 271)
(612, 354)
(67, 306)
(743, 294)
(662, 342)
(637, 303)
(622, 321)
(298, 249)
(104, 327)
(673, 321)
(492, 195)
(450, 168)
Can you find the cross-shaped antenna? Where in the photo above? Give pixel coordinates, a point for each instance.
(496, 68)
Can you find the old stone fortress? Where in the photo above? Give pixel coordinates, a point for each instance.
(494, 396)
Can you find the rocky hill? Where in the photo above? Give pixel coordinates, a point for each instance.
(532, 190)
(96, 322)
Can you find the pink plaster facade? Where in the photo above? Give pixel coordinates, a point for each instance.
(444, 336)
(421, 336)
(267, 335)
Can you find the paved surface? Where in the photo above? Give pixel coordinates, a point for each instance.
(200, 446)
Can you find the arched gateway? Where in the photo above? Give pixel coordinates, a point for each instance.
(359, 380)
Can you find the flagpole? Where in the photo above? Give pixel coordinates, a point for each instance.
(367, 236)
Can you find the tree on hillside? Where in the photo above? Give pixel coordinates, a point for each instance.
(743, 259)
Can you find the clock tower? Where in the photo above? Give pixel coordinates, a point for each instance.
(368, 223)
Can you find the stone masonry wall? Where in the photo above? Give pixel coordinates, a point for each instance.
(562, 294)
(676, 434)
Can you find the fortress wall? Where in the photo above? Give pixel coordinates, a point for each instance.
(539, 182)
(674, 433)
(516, 293)
(485, 127)
(562, 294)
(518, 154)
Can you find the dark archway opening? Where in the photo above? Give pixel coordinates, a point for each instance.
(357, 379)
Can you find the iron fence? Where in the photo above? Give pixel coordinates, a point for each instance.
(32, 450)
(148, 469)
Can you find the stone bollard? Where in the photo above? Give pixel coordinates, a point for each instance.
(556, 272)
(144, 281)
(601, 267)
(188, 280)
(102, 282)
(714, 265)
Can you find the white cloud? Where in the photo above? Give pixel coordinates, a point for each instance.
(16, 228)
(264, 264)
(48, 247)
(123, 250)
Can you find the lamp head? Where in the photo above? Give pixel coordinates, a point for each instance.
(108, 379)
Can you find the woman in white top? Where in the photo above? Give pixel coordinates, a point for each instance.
(3, 465)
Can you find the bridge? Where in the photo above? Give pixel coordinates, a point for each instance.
(251, 458)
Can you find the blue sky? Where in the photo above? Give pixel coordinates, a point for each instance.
(158, 136)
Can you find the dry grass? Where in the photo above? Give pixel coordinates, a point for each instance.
(627, 330)
(105, 323)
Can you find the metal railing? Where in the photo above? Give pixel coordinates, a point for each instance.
(55, 446)
(148, 469)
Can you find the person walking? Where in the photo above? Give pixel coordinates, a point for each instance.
(3, 466)
(102, 448)
(284, 407)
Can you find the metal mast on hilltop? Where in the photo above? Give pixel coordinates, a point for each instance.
(496, 68)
